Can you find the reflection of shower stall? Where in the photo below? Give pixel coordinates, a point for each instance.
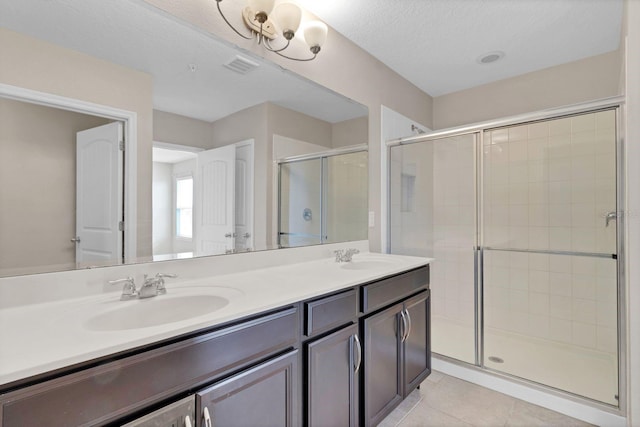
(322, 198)
(521, 218)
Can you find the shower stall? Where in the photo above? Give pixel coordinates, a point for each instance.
(521, 217)
(322, 198)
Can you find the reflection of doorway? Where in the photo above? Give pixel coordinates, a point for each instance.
(202, 200)
(34, 245)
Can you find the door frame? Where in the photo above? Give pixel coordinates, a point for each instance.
(130, 121)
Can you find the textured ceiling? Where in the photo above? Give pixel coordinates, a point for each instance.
(131, 34)
(435, 43)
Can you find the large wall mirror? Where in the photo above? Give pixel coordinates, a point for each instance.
(215, 128)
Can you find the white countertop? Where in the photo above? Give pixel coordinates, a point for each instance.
(38, 338)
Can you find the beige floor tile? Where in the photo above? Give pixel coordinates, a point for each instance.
(527, 414)
(426, 416)
(435, 376)
(468, 402)
(447, 401)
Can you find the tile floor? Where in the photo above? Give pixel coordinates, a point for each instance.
(447, 401)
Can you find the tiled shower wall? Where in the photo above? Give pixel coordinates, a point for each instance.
(549, 186)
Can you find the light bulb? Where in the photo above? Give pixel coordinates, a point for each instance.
(288, 16)
(315, 34)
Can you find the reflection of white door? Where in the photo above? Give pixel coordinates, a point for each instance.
(244, 196)
(214, 201)
(99, 194)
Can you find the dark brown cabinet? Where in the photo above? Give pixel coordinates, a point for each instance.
(333, 365)
(397, 355)
(266, 395)
(416, 351)
(383, 362)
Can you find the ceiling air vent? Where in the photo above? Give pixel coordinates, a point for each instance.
(241, 65)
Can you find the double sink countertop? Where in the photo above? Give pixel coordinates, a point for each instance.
(42, 337)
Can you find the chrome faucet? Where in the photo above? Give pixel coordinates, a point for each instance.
(154, 286)
(345, 255)
(129, 290)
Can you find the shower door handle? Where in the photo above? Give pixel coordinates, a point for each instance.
(613, 215)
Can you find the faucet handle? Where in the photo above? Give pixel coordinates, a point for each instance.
(160, 278)
(129, 290)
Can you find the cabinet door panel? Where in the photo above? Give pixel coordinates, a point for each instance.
(332, 385)
(382, 364)
(265, 395)
(417, 354)
(172, 415)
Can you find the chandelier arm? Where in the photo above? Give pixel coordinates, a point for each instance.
(267, 44)
(229, 24)
(296, 59)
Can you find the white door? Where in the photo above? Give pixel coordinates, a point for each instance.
(99, 195)
(214, 202)
(244, 196)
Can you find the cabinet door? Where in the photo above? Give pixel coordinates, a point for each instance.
(382, 364)
(265, 395)
(417, 346)
(177, 414)
(332, 379)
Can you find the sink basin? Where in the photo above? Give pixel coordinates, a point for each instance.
(163, 309)
(368, 263)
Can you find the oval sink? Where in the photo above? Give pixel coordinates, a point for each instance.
(155, 311)
(365, 265)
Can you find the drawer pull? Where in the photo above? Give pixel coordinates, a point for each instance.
(187, 421)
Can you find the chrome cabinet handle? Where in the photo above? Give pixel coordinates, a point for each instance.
(358, 346)
(409, 322)
(206, 417)
(187, 421)
(75, 239)
(404, 326)
(613, 215)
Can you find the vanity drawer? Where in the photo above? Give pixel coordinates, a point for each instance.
(107, 392)
(384, 292)
(332, 311)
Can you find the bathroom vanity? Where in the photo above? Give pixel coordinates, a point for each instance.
(312, 343)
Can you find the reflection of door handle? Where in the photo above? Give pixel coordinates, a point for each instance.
(75, 239)
(230, 235)
(610, 215)
(246, 235)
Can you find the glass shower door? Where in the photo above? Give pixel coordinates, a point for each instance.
(300, 198)
(433, 214)
(549, 251)
(347, 201)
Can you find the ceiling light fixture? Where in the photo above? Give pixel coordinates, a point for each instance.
(261, 19)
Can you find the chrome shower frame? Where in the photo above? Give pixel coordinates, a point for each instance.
(478, 129)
